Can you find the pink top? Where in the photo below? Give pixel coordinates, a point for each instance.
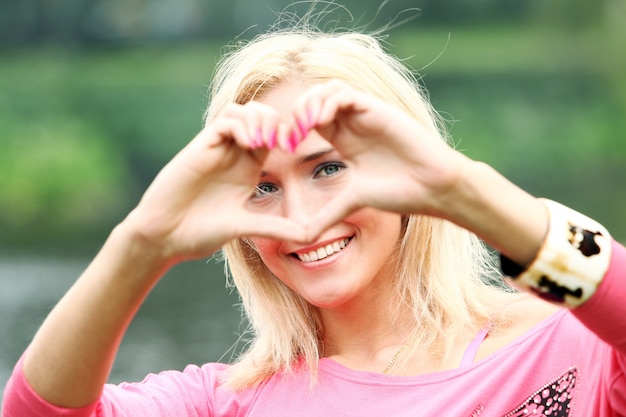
(571, 364)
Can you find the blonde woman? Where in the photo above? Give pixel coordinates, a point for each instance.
(351, 230)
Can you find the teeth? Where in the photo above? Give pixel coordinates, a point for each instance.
(324, 251)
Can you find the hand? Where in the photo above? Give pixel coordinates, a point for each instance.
(197, 202)
(398, 164)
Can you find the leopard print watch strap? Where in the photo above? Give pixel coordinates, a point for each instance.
(571, 262)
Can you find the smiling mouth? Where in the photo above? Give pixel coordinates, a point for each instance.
(324, 251)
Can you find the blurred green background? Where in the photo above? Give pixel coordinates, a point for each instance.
(95, 96)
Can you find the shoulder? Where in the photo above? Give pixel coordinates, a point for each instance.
(196, 389)
(521, 317)
(528, 311)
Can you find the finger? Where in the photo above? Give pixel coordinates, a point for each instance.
(284, 137)
(307, 108)
(269, 129)
(314, 105)
(234, 129)
(265, 124)
(341, 101)
(306, 111)
(251, 125)
(274, 227)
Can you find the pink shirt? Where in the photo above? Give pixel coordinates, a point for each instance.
(559, 368)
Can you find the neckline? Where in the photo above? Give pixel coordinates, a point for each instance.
(334, 368)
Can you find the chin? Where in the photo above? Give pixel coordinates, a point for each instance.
(328, 302)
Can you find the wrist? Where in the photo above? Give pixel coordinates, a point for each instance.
(487, 204)
(570, 263)
(133, 250)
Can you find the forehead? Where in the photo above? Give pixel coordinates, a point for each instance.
(283, 96)
(311, 150)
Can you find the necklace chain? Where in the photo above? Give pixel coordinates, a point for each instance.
(395, 358)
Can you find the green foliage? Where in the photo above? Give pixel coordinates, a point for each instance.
(543, 106)
(83, 133)
(57, 168)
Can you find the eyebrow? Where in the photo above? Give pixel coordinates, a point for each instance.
(316, 155)
(309, 157)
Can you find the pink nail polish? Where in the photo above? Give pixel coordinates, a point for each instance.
(292, 141)
(303, 129)
(272, 141)
(258, 139)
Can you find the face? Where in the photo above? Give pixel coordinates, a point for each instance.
(351, 260)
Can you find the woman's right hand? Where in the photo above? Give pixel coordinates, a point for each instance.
(197, 202)
(194, 205)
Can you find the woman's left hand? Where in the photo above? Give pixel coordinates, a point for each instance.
(398, 164)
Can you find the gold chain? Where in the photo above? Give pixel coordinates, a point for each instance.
(395, 358)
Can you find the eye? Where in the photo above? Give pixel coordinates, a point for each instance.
(264, 189)
(327, 169)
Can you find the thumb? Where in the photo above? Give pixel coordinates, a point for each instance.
(333, 212)
(274, 227)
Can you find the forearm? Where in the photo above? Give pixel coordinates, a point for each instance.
(502, 214)
(70, 358)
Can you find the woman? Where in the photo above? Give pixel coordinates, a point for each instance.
(349, 227)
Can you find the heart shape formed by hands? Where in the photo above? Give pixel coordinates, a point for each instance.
(399, 163)
(199, 200)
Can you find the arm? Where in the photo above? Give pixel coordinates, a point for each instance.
(70, 358)
(401, 164)
(502, 214)
(195, 204)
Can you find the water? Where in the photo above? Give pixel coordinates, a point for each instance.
(190, 317)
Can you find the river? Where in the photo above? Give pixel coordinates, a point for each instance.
(190, 317)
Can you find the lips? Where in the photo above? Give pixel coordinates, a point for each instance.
(323, 251)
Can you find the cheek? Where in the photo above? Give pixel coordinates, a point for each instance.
(386, 226)
(267, 250)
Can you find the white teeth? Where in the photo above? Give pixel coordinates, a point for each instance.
(324, 251)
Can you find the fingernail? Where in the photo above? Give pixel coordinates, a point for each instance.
(303, 129)
(252, 139)
(258, 139)
(272, 141)
(292, 141)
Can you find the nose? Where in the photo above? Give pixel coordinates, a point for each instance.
(300, 203)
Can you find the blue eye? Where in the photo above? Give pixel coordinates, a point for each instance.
(327, 169)
(264, 189)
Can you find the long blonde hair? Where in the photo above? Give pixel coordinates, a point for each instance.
(442, 270)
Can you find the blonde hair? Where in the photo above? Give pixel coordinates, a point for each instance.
(442, 270)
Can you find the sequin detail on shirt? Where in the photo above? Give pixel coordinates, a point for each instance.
(555, 399)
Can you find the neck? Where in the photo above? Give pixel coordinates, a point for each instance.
(363, 334)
